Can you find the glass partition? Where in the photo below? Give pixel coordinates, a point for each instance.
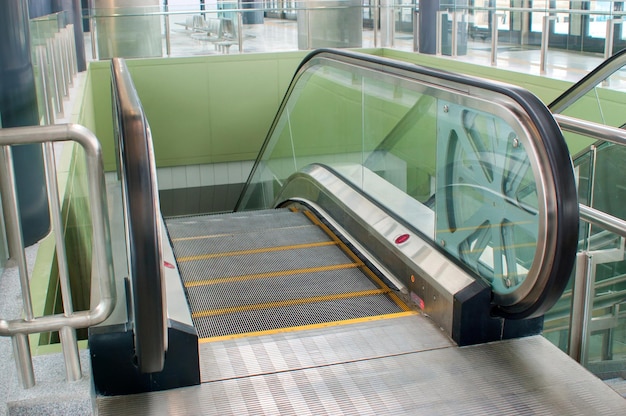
(452, 160)
(498, 32)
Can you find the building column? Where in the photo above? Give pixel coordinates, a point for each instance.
(428, 26)
(18, 107)
(74, 10)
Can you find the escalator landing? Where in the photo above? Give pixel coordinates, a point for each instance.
(527, 376)
(384, 363)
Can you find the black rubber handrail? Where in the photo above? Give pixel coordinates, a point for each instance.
(137, 171)
(588, 82)
(563, 223)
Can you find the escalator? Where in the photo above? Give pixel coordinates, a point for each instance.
(394, 250)
(264, 270)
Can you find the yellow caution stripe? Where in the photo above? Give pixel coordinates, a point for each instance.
(255, 251)
(209, 236)
(289, 302)
(308, 327)
(279, 273)
(356, 259)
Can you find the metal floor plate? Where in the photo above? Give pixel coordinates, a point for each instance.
(526, 376)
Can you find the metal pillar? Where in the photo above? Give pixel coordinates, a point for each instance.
(74, 11)
(428, 26)
(18, 107)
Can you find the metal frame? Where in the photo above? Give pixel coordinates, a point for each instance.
(587, 260)
(102, 283)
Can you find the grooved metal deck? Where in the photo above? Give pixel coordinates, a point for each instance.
(527, 376)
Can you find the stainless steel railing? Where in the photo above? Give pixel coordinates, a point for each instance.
(102, 284)
(588, 259)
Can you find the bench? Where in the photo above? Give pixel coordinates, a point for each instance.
(219, 31)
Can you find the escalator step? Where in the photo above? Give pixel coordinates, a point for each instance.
(263, 263)
(277, 289)
(234, 223)
(267, 270)
(294, 316)
(254, 240)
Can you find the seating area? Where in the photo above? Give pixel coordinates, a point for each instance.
(217, 30)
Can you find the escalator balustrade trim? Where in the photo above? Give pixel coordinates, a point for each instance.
(280, 296)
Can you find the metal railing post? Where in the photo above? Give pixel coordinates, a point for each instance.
(375, 20)
(454, 33)
(309, 41)
(68, 335)
(582, 297)
(495, 21)
(92, 28)
(42, 57)
(168, 42)
(545, 39)
(23, 360)
(438, 28)
(58, 96)
(240, 31)
(416, 31)
(21, 344)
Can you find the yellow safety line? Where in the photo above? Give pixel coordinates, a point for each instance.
(270, 274)
(201, 237)
(289, 302)
(307, 327)
(209, 236)
(356, 259)
(255, 251)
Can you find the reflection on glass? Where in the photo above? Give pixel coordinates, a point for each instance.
(457, 173)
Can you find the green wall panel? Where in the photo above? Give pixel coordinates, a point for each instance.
(215, 109)
(201, 109)
(175, 99)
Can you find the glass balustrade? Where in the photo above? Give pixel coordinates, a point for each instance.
(494, 33)
(458, 167)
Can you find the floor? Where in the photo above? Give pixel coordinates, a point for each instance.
(275, 35)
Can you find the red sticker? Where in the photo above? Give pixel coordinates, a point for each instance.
(168, 265)
(403, 238)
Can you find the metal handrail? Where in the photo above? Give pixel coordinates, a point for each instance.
(137, 170)
(102, 283)
(591, 129)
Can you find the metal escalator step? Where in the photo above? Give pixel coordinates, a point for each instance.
(225, 243)
(234, 223)
(262, 263)
(294, 315)
(277, 289)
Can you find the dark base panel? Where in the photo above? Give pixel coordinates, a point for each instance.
(114, 368)
(474, 324)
